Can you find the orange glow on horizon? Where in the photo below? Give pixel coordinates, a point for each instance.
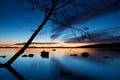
(47, 45)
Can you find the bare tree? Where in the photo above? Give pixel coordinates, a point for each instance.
(61, 12)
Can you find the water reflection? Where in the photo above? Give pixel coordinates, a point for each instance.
(13, 71)
(94, 67)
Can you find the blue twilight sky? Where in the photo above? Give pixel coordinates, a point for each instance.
(17, 24)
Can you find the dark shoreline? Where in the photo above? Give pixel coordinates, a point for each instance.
(101, 46)
(105, 48)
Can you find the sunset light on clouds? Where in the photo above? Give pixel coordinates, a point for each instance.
(17, 25)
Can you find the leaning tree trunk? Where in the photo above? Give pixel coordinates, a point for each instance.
(32, 37)
(28, 42)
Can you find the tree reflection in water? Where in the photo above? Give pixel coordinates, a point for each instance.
(12, 70)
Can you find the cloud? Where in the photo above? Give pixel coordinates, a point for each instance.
(32, 30)
(71, 40)
(57, 32)
(75, 40)
(103, 35)
(37, 43)
(109, 39)
(97, 39)
(107, 7)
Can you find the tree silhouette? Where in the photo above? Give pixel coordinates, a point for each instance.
(13, 71)
(60, 12)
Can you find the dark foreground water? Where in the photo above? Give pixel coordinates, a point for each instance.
(62, 66)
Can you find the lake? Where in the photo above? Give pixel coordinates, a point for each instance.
(101, 64)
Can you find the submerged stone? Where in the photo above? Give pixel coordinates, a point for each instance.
(85, 54)
(45, 54)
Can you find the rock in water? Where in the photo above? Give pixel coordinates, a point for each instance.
(45, 54)
(4, 56)
(31, 55)
(65, 73)
(85, 54)
(24, 55)
(73, 54)
(106, 57)
(54, 50)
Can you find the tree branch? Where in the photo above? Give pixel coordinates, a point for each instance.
(62, 5)
(67, 25)
(73, 28)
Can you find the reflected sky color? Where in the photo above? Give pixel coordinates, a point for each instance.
(95, 67)
(17, 25)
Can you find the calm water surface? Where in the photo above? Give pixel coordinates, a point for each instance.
(94, 67)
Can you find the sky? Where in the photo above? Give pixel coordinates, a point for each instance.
(17, 25)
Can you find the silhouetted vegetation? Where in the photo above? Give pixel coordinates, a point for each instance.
(103, 45)
(60, 12)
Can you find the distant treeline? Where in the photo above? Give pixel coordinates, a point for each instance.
(103, 45)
